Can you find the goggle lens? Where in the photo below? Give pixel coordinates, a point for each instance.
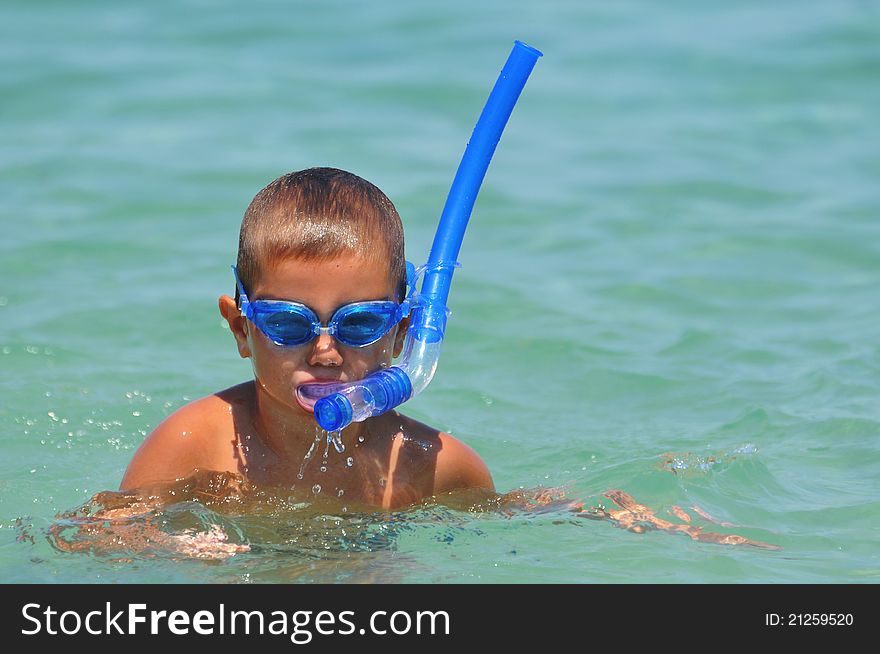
(361, 326)
(287, 327)
(356, 325)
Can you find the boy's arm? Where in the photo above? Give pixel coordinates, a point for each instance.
(173, 450)
(459, 467)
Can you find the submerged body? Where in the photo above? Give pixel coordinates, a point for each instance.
(214, 515)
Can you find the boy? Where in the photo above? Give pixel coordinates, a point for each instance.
(326, 239)
(323, 238)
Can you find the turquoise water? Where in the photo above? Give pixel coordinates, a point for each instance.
(669, 284)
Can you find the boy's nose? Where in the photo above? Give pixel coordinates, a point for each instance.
(325, 352)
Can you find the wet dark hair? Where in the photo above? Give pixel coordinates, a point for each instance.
(317, 214)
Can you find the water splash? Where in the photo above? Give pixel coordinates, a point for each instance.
(184, 519)
(692, 463)
(336, 439)
(308, 456)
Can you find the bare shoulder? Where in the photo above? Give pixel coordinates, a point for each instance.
(195, 437)
(456, 465)
(459, 466)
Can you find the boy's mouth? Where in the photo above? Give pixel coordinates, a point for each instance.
(309, 393)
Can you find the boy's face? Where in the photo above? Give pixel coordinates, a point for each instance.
(324, 286)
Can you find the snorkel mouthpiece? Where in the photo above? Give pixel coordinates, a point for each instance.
(390, 387)
(372, 396)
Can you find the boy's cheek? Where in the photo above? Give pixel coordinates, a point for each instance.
(363, 363)
(387, 349)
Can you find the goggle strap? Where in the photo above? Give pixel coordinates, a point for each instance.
(411, 278)
(416, 298)
(432, 266)
(243, 303)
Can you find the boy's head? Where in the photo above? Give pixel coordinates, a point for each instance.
(318, 214)
(326, 239)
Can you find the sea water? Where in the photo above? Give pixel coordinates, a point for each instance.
(669, 285)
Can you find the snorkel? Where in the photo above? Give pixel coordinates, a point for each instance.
(337, 406)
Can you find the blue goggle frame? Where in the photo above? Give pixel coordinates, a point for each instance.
(358, 324)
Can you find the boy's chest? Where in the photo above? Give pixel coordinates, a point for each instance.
(389, 477)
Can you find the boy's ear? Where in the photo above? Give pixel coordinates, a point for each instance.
(237, 324)
(399, 339)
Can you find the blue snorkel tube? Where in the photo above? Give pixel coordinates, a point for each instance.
(390, 387)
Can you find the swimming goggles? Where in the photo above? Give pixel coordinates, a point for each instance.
(289, 324)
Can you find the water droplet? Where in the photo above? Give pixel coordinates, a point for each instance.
(349, 462)
(316, 489)
(360, 439)
(336, 437)
(323, 468)
(382, 481)
(340, 493)
(307, 457)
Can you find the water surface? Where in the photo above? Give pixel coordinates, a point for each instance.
(669, 284)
